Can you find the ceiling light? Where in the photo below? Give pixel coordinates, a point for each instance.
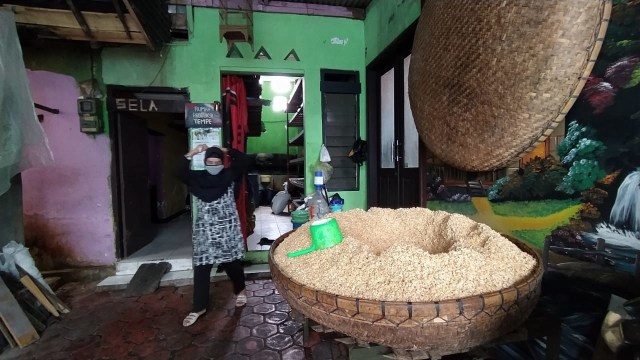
(279, 103)
(281, 85)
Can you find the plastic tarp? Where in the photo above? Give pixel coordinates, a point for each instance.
(23, 143)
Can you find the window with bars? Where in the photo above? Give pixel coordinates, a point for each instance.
(340, 125)
(179, 21)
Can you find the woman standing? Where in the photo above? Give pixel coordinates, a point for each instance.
(217, 238)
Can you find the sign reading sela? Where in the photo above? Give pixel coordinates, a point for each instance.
(135, 105)
(150, 103)
(196, 115)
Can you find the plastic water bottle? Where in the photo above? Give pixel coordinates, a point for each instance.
(318, 206)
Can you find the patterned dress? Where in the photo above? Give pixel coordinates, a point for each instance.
(216, 232)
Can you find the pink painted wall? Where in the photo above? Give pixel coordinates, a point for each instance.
(67, 207)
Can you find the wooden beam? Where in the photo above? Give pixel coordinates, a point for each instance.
(14, 318)
(116, 4)
(119, 37)
(7, 335)
(101, 36)
(281, 7)
(79, 18)
(133, 14)
(44, 290)
(64, 18)
(29, 283)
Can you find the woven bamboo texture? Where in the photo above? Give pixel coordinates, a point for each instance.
(490, 80)
(441, 328)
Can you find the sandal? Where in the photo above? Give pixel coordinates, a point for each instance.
(192, 318)
(241, 300)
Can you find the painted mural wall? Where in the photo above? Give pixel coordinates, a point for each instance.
(320, 42)
(67, 207)
(589, 189)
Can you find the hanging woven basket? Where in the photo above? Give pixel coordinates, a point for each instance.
(490, 80)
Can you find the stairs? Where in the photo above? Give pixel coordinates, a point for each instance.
(181, 273)
(475, 188)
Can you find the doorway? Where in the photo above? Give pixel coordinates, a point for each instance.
(275, 136)
(394, 147)
(150, 204)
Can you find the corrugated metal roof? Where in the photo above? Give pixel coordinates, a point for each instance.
(360, 4)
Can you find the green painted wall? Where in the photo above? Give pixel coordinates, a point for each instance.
(197, 64)
(385, 20)
(274, 140)
(76, 62)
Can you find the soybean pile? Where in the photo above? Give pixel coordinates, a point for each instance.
(413, 255)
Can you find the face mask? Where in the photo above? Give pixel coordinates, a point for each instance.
(214, 169)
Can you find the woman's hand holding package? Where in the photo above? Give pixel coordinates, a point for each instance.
(196, 150)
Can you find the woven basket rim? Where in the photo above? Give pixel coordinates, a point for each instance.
(531, 281)
(598, 41)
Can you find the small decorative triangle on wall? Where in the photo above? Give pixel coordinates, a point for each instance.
(262, 54)
(234, 52)
(292, 56)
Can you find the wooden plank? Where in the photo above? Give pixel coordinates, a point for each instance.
(101, 36)
(14, 318)
(132, 12)
(64, 18)
(147, 279)
(39, 326)
(7, 335)
(154, 18)
(53, 299)
(28, 283)
(121, 17)
(32, 307)
(283, 7)
(79, 18)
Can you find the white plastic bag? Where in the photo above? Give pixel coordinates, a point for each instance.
(324, 154)
(22, 258)
(8, 266)
(23, 143)
(327, 170)
(323, 164)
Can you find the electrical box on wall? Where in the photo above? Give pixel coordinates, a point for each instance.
(90, 115)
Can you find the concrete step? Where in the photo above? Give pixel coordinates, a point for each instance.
(174, 278)
(130, 266)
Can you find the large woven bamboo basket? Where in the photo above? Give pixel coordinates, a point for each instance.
(441, 328)
(490, 80)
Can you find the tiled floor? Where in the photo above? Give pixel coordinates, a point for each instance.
(173, 244)
(173, 240)
(269, 226)
(107, 325)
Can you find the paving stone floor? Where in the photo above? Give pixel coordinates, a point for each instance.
(107, 325)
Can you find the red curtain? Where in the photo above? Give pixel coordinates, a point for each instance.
(239, 129)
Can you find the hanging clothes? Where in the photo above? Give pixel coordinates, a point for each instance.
(239, 114)
(236, 103)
